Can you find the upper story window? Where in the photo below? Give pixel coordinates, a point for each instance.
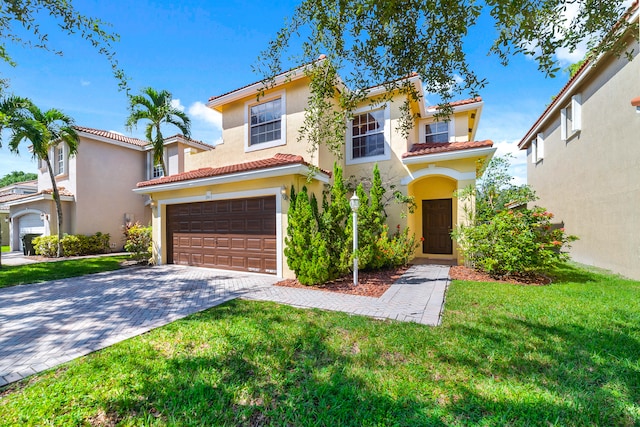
(368, 136)
(266, 123)
(437, 132)
(157, 172)
(571, 118)
(537, 149)
(58, 160)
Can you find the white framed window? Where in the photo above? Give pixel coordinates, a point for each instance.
(571, 118)
(436, 132)
(157, 172)
(265, 122)
(537, 149)
(369, 135)
(59, 160)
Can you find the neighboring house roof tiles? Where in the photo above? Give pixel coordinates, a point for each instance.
(8, 197)
(458, 103)
(194, 141)
(275, 161)
(61, 190)
(438, 147)
(114, 136)
(636, 101)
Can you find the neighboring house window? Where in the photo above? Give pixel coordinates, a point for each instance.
(437, 132)
(368, 136)
(266, 123)
(59, 164)
(157, 172)
(571, 118)
(537, 149)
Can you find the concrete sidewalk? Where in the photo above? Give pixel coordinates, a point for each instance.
(44, 325)
(18, 258)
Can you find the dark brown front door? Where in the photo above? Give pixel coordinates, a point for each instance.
(238, 234)
(437, 222)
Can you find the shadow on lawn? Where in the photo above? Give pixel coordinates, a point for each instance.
(268, 372)
(590, 374)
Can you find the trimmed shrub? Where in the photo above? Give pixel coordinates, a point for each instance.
(514, 242)
(138, 241)
(72, 245)
(319, 246)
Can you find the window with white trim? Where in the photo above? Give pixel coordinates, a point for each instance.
(59, 160)
(157, 172)
(437, 132)
(571, 118)
(265, 122)
(367, 134)
(537, 148)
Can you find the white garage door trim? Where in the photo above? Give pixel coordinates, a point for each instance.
(273, 191)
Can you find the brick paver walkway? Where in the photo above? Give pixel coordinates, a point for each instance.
(44, 325)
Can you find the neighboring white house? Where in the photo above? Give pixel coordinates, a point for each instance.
(584, 160)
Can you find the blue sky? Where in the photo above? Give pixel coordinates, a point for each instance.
(198, 48)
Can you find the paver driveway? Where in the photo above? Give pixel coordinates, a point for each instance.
(44, 325)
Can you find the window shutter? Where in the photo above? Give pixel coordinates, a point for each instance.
(563, 124)
(540, 147)
(534, 151)
(576, 107)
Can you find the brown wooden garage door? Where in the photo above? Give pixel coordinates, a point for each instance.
(238, 234)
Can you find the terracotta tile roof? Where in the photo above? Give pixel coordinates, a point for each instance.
(435, 147)
(459, 103)
(195, 141)
(8, 197)
(273, 162)
(63, 192)
(636, 101)
(114, 136)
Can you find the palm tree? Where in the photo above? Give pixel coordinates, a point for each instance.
(156, 107)
(45, 130)
(11, 109)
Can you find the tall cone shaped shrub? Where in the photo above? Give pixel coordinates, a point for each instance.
(319, 245)
(306, 250)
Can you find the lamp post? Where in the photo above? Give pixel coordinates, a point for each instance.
(355, 203)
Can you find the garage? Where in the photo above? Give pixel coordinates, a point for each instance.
(30, 223)
(236, 234)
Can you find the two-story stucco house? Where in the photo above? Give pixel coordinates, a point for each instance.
(229, 209)
(95, 186)
(584, 160)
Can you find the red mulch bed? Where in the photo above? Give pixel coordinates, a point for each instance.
(460, 272)
(370, 283)
(375, 283)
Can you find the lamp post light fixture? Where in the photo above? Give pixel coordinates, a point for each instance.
(355, 204)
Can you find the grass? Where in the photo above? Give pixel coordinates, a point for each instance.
(43, 271)
(5, 248)
(564, 354)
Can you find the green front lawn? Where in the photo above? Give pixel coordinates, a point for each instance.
(43, 271)
(565, 354)
(5, 248)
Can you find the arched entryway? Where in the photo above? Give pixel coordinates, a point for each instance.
(29, 221)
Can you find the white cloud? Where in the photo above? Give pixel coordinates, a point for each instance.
(200, 111)
(175, 103)
(84, 82)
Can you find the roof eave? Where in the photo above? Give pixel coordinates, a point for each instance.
(450, 155)
(294, 169)
(566, 92)
(38, 197)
